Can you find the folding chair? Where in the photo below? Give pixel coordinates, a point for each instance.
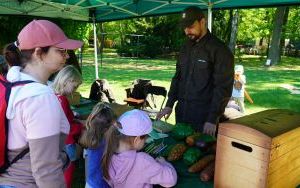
(151, 107)
(158, 91)
(137, 94)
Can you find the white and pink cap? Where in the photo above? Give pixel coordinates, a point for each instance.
(135, 123)
(43, 33)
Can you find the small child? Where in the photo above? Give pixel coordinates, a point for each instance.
(122, 163)
(97, 124)
(65, 83)
(239, 86)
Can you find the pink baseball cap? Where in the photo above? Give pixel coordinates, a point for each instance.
(135, 123)
(42, 33)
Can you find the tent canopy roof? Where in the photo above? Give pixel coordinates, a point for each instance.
(108, 10)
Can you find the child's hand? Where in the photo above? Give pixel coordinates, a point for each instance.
(160, 159)
(80, 121)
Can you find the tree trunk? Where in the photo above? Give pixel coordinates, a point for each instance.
(234, 29)
(122, 35)
(274, 51)
(285, 20)
(102, 37)
(227, 33)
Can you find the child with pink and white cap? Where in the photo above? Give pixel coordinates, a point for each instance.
(239, 87)
(35, 118)
(123, 165)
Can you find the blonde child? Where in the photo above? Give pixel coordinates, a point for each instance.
(97, 124)
(239, 87)
(65, 83)
(123, 165)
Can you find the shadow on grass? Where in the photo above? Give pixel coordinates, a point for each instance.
(263, 83)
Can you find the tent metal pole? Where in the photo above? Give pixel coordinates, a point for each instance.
(95, 48)
(209, 17)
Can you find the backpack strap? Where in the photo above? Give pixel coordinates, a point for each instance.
(19, 156)
(9, 85)
(19, 83)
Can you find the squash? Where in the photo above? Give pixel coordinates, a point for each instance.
(208, 173)
(177, 152)
(201, 164)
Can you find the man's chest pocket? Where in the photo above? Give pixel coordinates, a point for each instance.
(201, 73)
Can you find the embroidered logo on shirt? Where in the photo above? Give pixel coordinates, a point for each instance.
(201, 61)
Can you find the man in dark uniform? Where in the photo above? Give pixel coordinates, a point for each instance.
(202, 84)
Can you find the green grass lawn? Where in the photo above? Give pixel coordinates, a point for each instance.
(263, 83)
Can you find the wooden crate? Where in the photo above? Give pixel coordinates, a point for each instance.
(259, 150)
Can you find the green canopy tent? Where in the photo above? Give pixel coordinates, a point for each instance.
(109, 10)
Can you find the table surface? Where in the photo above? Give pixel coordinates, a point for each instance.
(185, 178)
(84, 109)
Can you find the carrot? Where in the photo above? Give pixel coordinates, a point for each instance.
(201, 164)
(208, 172)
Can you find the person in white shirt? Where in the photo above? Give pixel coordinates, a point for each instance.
(239, 87)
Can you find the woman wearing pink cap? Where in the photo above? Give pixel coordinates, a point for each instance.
(123, 166)
(36, 119)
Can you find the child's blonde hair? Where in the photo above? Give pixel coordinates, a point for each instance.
(65, 77)
(98, 122)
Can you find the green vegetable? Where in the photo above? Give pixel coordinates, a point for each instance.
(192, 155)
(181, 131)
(206, 138)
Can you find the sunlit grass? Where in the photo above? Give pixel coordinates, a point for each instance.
(263, 83)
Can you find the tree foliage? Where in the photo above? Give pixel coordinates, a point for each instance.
(222, 24)
(162, 34)
(159, 34)
(292, 31)
(255, 24)
(10, 26)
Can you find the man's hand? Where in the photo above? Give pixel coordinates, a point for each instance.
(166, 112)
(209, 128)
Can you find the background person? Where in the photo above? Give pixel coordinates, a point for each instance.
(65, 83)
(202, 83)
(98, 122)
(239, 87)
